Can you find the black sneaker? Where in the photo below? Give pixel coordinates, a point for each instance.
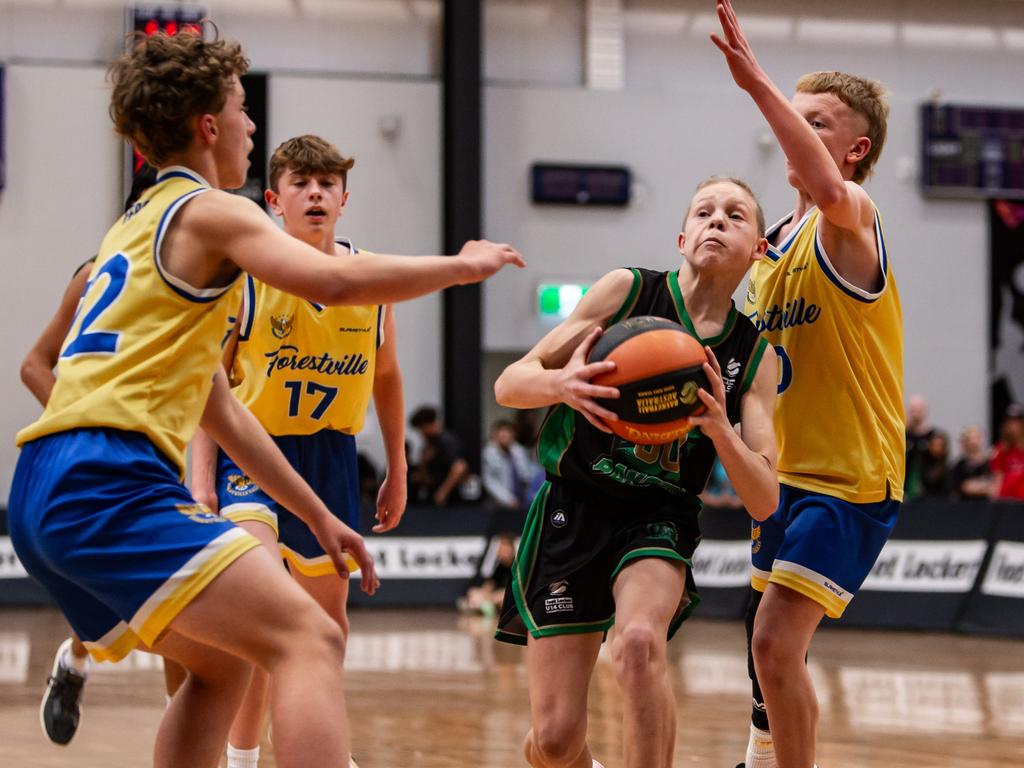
(61, 709)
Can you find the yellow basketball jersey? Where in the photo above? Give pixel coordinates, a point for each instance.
(144, 345)
(301, 367)
(839, 418)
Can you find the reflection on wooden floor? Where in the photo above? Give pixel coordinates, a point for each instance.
(432, 690)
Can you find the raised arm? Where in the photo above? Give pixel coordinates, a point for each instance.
(233, 230)
(556, 371)
(243, 438)
(843, 203)
(749, 457)
(389, 401)
(37, 367)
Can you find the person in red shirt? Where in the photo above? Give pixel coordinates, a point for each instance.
(1008, 456)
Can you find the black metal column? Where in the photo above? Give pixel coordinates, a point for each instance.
(462, 220)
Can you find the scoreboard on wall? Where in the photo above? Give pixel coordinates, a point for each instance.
(972, 151)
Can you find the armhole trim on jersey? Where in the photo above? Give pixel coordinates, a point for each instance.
(381, 313)
(842, 283)
(753, 364)
(631, 298)
(776, 252)
(248, 312)
(176, 284)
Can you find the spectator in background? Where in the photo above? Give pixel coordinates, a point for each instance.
(970, 478)
(507, 469)
(719, 493)
(919, 433)
(441, 467)
(492, 576)
(934, 467)
(1008, 457)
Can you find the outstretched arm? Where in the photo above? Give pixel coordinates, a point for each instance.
(244, 439)
(243, 235)
(749, 458)
(37, 367)
(556, 369)
(389, 401)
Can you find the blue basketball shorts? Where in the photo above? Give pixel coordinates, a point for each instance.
(327, 461)
(820, 546)
(101, 520)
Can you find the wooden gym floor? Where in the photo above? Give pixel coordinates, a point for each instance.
(433, 690)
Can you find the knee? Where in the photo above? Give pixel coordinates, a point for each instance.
(559, 742)
(315, 637)
(638, 653)
(772, 657)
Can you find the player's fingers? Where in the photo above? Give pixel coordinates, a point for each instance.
(596, 422)
(595, 391)
(590, 370)
(601, 413)
(588, 343)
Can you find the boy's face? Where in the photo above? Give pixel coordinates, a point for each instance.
(309, 203)
(721, 229)
(840, 129)
(234, 139)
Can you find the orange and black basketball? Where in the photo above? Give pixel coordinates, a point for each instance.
(658, 370)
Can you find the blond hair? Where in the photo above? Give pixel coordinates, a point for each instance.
(865, 97)
(166, 80)
(309, 155)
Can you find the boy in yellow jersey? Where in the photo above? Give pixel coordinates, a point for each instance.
(826, 298)
(610, 537)
(98, 512)
(307, 372)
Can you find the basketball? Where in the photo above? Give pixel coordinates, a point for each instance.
(658, 369)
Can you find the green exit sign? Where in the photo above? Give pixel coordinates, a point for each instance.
(556, 300)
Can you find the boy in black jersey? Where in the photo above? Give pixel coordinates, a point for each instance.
(610, 536)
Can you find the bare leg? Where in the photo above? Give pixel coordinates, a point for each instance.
(647, 594)
(247, 729)
(174, 676)
(254, 610)
(195, 724)
(559, 670)
(783, 628)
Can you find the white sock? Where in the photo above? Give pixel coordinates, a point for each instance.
(597, 764)
(243, 758)
(80, 664)
(760, 749)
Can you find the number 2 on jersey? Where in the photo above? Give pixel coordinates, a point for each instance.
(100, 342)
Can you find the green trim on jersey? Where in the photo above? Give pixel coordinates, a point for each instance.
(631, 297)
(526, 556)
(753, 364)
(556, 435)
(684, 316)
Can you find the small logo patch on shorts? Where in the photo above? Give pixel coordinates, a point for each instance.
(559, 518)
(198, 513)
(755, 539)
(558, 587)
(558, 605)
(240, 485)
(665, 531)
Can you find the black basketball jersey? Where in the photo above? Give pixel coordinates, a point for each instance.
(600, 465)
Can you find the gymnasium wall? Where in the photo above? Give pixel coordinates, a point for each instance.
(339, 67)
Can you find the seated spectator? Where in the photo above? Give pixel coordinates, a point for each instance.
(440, 468)
(933, 467)
(719, 493)
(970, 478)
(369, 482)
(919, 433)
(1008, 457)
(507, 469)
(492, 576)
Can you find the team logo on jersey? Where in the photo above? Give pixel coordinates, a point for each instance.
(281, 325)
(666, 531)
(732, 370)
(755, 539)
(559, 519)
(198, 513)
(558, 587)
(240, 485)
(751, 295)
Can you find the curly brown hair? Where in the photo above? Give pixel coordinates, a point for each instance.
(308, 155)
(163, 82)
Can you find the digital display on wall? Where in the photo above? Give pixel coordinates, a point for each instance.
(580, 184)
(972, 151)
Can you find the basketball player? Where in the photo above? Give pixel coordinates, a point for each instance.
(610, 536)
(312, 411)
(826, 298)
(98, 512)
(60, 712)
